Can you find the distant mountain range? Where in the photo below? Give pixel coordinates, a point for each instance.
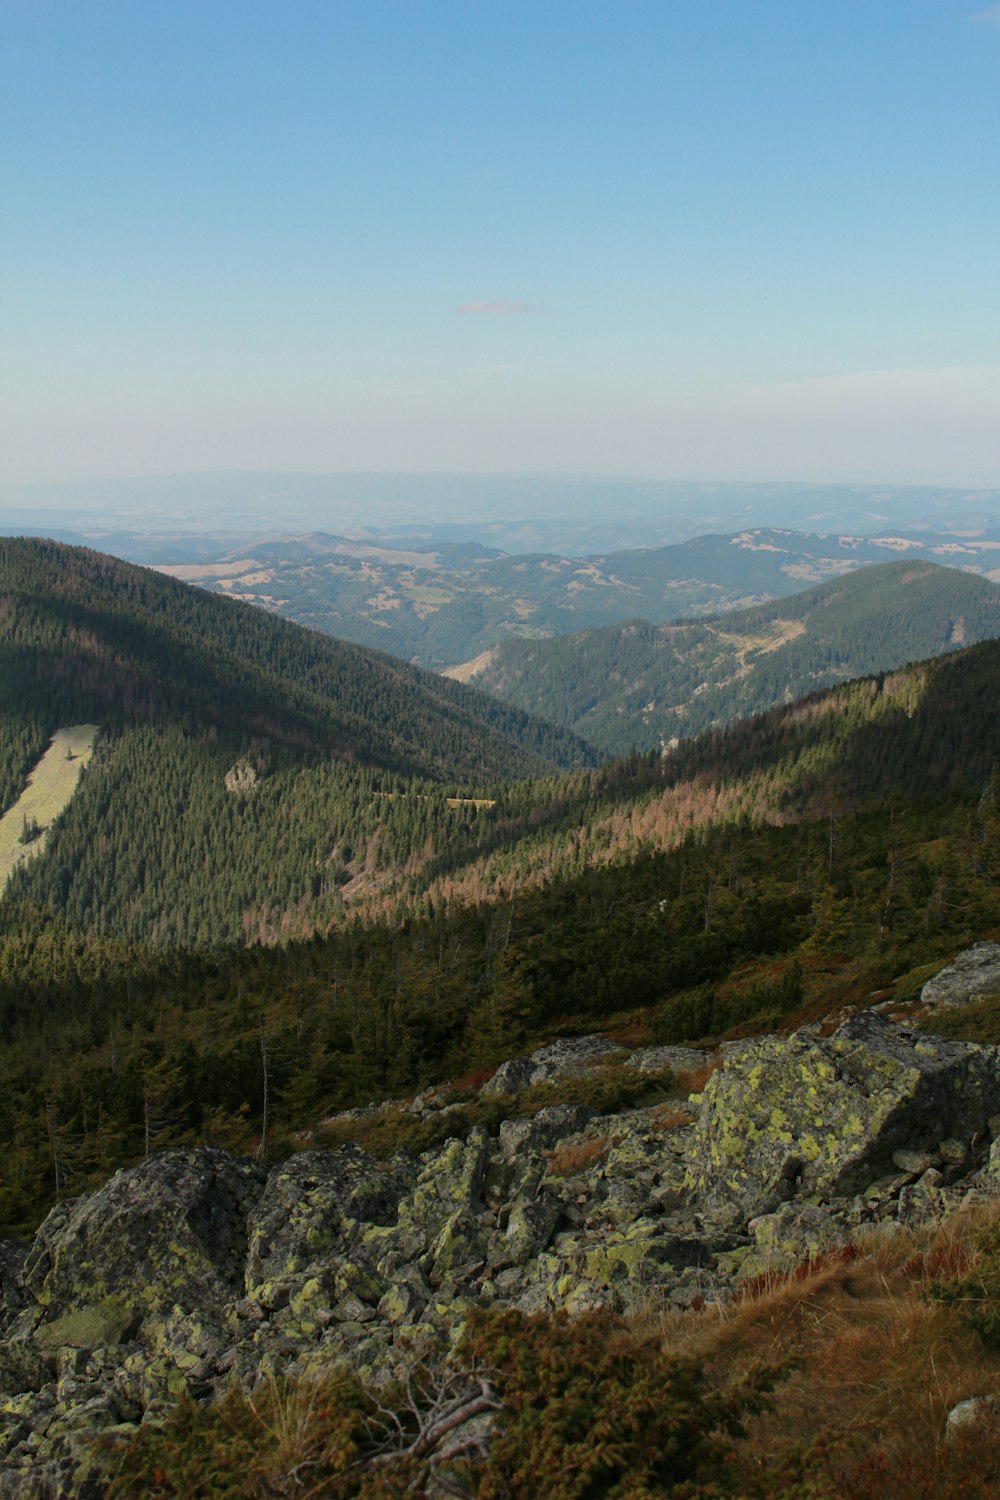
(570, 514)
(443, 605)
(642, 686)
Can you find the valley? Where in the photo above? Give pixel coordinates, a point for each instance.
(500, 751)
(640, 686)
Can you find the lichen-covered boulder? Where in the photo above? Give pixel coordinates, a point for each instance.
(305, 1229)
(824, 1115)
(974, 972)
(532, 1216)
(445, 1208)
(169, 1232)
(796, 1232)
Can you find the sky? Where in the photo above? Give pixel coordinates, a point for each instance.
(676, 239)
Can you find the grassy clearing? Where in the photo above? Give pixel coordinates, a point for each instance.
(467, 670)
(50, 786)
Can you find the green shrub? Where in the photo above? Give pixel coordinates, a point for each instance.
(593, 1412)
(975, 1293)
(582, 1409)
(605, 1090)
(702, 1014)
(244, 1446)
(979, 1021)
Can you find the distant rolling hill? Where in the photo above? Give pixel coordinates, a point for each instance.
(247, 770)
(444, 604)
(639, 685)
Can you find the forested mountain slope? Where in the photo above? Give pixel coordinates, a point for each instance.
(216, 813)
(776, 870)
(247, 768)
(640, 686)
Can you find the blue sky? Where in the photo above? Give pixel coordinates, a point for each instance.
(686, 239)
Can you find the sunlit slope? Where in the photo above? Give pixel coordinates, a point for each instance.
(444, 603)
(24, 828)
(927, 730)
(642, 685)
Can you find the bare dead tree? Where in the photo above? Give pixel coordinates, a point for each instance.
(266, 1061)
(59, 1152)
(434, 1426)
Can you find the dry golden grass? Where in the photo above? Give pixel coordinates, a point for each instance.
(670, 1116)
(567, 1161)
(870, 1357)
(693, 1080)
(50, 786)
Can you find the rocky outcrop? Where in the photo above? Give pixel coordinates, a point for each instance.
(825, 1115)
(197, 1272)
(975, 972)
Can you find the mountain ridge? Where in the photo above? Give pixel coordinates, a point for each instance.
(638, 685)
(188, 689)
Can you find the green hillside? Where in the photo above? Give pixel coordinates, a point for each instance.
(247, 770)
(640, 686)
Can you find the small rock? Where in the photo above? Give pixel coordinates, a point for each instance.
(915, 1161)
(970, 1413)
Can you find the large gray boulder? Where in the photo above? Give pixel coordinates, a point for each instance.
(169, 1233)
(550, 1125)
(824, 1115)
(559, 1059)
(974, 972)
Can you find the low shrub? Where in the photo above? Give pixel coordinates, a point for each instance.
(590, 1409)
(569, 1160)
(701, 1014)
(581, 1408)
(693, 1080)
(979, 1021)
(975, 1290)
(301, 1439)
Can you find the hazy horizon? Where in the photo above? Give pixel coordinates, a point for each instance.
(566, 514)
